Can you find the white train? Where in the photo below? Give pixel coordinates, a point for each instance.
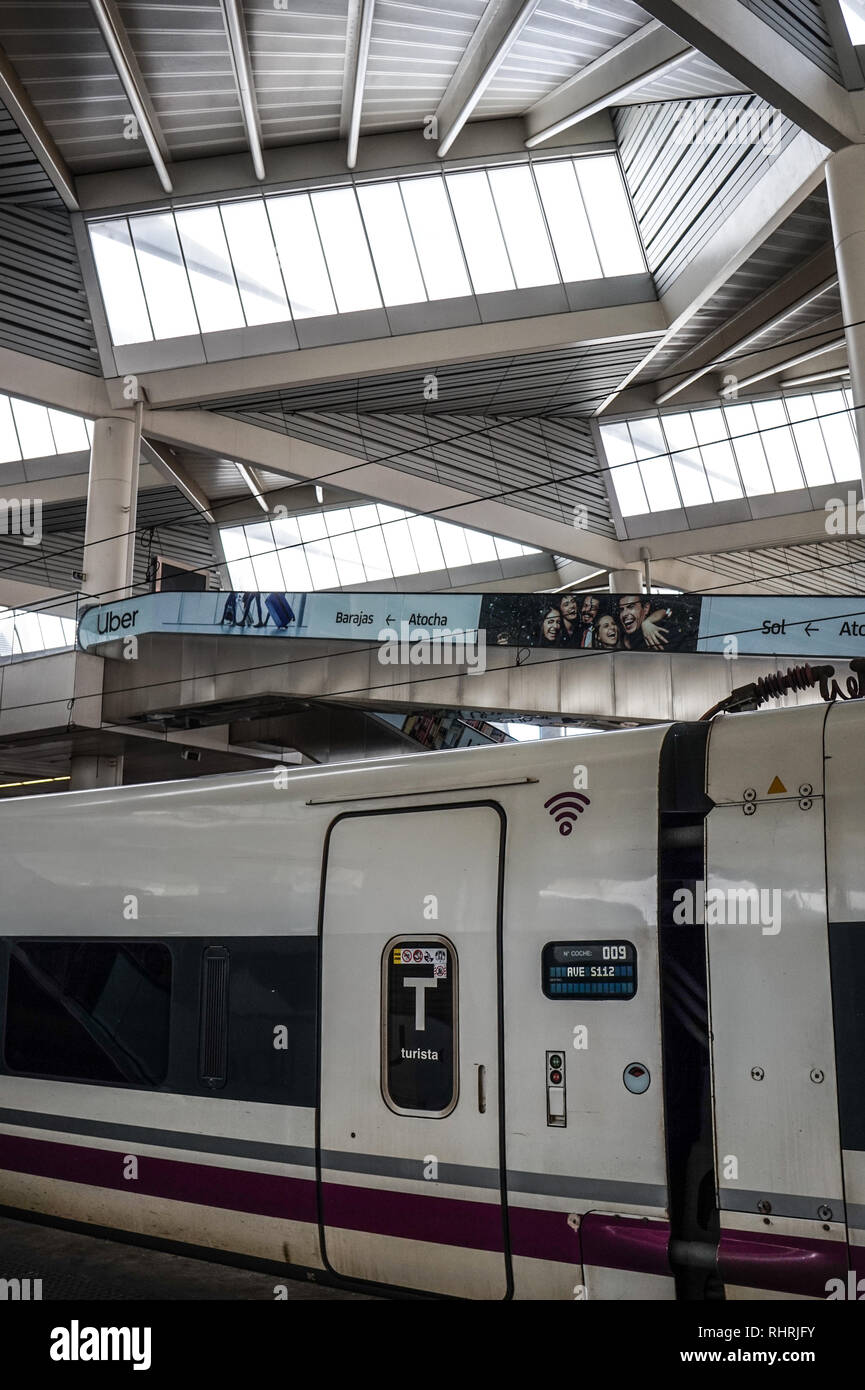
(479, 1024)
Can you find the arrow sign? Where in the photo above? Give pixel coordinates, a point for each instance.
(808, 627)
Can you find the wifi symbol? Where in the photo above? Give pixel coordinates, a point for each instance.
(564, 807)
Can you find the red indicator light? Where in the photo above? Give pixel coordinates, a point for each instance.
(556, 1078)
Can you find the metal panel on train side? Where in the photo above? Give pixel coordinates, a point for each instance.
(587, 1198)
(845, 815)
(776, 1114)
(411, 1164)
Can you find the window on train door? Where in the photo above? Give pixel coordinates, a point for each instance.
(419, 1074)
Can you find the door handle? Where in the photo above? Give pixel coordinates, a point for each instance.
(482, 1088)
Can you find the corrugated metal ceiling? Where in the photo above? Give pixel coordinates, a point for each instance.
(829, 567)
(298, 61)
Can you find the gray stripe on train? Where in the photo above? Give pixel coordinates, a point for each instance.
(783, 1204)
(458, 1174)
(162, 1138)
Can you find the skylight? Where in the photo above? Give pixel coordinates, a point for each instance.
(29, 431)
(748, 449)
(24, 631)
(361, 246)
(854, 17)
(352, 545)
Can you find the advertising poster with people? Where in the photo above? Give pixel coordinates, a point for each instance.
(602, 622)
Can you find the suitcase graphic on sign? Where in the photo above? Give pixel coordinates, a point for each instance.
(279, 609)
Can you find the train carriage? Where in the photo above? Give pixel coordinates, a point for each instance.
(574, 1019)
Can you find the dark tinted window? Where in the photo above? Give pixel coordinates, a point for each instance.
(271, 1025)
(89, 1011)
(419, 1071)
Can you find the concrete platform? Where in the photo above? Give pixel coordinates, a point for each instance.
(76, 1267)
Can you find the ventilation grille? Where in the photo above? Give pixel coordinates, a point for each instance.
(213, 1043)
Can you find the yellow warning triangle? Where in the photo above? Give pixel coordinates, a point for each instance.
(776, 787)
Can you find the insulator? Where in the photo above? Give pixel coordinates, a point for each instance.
(781, 682)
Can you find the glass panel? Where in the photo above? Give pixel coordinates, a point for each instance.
(346, 551)
(300, 255)
(70, 431)
(163, 275)
(34, 429)
(373, 550)
(119, 282)
(425, 540)
(454, 545)
(255, 262)
(838, 432)
(778, 442)
(718, 459)
(389, 236)
(687, 460)
(720, 466)
(209, 269)
(265, 561)
(92, 1011)
(508, 550)
(435, 238)
(748, 448)
(625, 475)
(9, 448)
(610, 215)
(809, 441)
(523, 225)
(656, 472)
(318, 552)
(345, 249)
(568, 223)
(482, 548)
(480, 232)
(419, 1063)
(295, 570)
(398, 541)
(234, 547)
(286, 535)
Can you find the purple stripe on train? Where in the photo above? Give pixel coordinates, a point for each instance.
(758, 1259)
(787, 1264)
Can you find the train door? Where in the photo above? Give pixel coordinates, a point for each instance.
(780, 1182)
(411, 1134)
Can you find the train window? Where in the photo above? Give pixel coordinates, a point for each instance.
(272, 1020)
(419, 1026)
(89, 1010)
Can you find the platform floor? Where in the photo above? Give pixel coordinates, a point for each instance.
(73, 1266)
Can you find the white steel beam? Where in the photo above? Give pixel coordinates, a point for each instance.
(14, 97)
(499, 27)
(297, 458)
(791, 178)
(127, 69)
(235, 28)
(358, 35)
(757, 55)
(836, 345)
(169, 468)
(740, 347)
(434, 348)
(651, 52)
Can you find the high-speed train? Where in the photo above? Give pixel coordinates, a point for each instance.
(582, 1018)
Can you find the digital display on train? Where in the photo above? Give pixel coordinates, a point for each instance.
(589, 970)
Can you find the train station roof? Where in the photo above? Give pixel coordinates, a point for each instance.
(560, 273)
